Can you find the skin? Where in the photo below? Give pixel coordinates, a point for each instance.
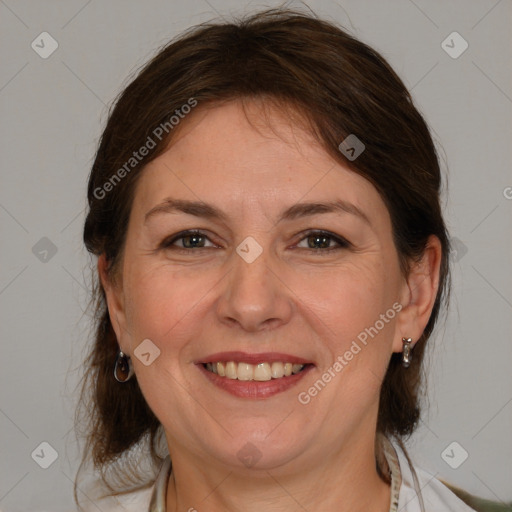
(292, 299)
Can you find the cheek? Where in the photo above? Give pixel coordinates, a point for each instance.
(164, 305)
(348, 298)
(160, 299)
(351, 307)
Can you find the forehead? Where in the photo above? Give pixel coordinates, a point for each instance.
(238, 156)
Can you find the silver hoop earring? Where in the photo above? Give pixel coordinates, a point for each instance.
(123, 369)
(406, 352)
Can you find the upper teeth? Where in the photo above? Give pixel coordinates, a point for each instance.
(261, 371)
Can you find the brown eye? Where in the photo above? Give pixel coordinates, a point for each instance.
(322, 241)
(188, 240)
(318, 241)
(192, 241)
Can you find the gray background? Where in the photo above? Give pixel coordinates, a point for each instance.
(53, 110)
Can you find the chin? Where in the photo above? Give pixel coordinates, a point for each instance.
(265, 447)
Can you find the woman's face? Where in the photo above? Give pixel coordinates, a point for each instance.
(259, 284)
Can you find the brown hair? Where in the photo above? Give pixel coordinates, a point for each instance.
(341, 86)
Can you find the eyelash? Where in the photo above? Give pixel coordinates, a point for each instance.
(342, 243)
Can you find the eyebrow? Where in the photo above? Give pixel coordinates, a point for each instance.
(208, 211)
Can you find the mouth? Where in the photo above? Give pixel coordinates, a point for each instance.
(260, 372)
(254, 375)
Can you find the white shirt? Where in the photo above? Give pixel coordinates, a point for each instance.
(405, 490)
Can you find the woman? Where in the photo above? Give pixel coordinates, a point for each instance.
(272, 260)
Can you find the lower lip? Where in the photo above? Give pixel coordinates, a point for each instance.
(253, 388)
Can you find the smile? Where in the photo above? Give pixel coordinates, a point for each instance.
(254, 376)
(259, 372)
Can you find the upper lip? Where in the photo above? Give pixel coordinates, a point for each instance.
(245, 357)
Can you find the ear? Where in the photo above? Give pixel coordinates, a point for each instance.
(418, 295)
(115, 301)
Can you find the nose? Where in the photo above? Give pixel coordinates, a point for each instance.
(255, 297)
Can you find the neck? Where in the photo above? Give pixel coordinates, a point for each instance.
(346, 480)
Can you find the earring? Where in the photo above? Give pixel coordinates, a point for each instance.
(123, 369)
(406, 352)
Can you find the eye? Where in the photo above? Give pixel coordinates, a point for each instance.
(320, 241)
(189, 240)
(316, 241)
